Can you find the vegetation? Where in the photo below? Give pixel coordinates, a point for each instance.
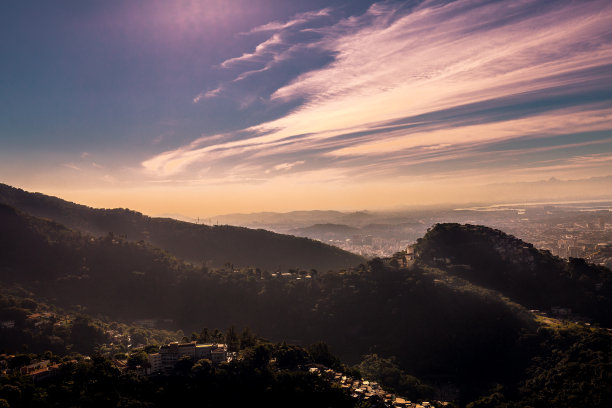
(39, 327)
(571, 366)
(212, 245)
(531, 277)
(252, 380)
(449, 325)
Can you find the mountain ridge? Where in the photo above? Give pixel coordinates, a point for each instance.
(211, 245)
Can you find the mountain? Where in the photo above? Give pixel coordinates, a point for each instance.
(429, 319)
(534, 278)
(433, 328)
(212, 245)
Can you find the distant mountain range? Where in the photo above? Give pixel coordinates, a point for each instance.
(211, 245)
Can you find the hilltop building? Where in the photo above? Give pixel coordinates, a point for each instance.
(170, 354)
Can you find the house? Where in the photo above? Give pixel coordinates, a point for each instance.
(34, 367)
(47, 371)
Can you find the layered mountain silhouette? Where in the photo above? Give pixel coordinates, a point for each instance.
(212, 245)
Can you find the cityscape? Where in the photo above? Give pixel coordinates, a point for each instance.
(572, 229)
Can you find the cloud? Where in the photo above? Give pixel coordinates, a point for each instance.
(208, 94)
(288, 166)
(425, 88)
(72, 166)
(263, 48)
(298, 19)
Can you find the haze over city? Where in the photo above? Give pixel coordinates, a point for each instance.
(204, 108)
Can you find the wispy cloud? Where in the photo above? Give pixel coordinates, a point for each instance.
(288, 166)
(72, 166)
(298, 19)
(261, 49)
(208, 94)
(427, 86)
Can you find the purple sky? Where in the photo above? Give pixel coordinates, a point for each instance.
(205, 107)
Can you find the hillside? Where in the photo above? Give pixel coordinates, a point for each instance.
(421, 320)
(212, 245)
(531, 277)
(433, 328)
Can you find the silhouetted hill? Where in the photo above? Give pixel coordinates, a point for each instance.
(532, 277)
(214, 245)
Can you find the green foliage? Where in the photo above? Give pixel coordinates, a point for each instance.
(231, 338)
(289, 357)
(320, 354)
(138, 359)
(239, 383)
(184, 365)
(54, 330)
(534, 278)
(386, 372)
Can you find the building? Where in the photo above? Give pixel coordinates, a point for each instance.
(169, 356)
(218, 355)
(155, 364)
(171, 353)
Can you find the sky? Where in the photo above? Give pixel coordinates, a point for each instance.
(211, 107)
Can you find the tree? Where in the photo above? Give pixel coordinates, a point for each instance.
(290, 357)
(247, 339)
(218, 336)
(231, 338)
(204, 337)
(137, 359)
(184, 365)
(319, 352)
(202, 367)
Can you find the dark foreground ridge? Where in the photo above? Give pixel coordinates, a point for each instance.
(213, 245)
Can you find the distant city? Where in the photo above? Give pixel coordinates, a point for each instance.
(566, 229)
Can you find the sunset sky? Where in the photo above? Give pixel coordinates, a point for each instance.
(210, 107)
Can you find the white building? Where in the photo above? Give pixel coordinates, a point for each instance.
(171, 353)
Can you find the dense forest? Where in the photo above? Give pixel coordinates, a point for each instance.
(442, 325)
(531, 277)
(213, 245)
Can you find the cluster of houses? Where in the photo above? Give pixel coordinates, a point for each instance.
(41, 370)
(164, 361)
(33, 319)
(366, 390)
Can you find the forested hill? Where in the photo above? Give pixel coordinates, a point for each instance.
(214, 245)
(413, 320)
(531, 277)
